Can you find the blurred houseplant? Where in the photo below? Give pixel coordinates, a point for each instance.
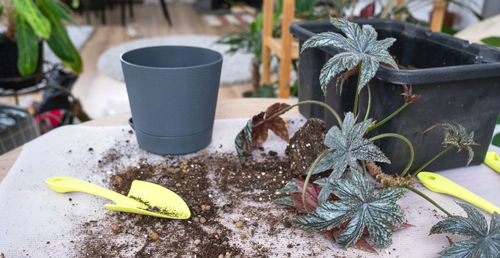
(248, 41)
(28, 24)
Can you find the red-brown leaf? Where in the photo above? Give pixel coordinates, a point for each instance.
(408, 94)
(312, 193)
(261, 125)
(368, 11)
(402, 227)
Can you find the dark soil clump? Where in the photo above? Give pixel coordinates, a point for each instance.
(306, 145)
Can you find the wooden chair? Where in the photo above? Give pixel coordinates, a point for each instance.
(437, 16)
(283, 47)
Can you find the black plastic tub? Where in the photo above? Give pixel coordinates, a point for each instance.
(458, 82)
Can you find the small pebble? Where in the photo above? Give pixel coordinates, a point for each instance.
(178, 185)
(196, 219)
(153, 235)
(116, 229)
(208, 207)
(89, 232)
(203, 220)
(221, 256)
(251, 232)
(239, 224)
(243, 235)
(197, 242)
(323, 248)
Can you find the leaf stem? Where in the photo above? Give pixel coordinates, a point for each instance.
(427, 198)
(432, 160)
(389, 117)
(368, 107)
(356, 96)
(309, 174)
(332, 111)
(398, 136)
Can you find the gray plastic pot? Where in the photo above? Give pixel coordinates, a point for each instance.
(172, 93)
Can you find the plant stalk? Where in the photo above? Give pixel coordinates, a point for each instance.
(389, 117)
(427, 198)
(309, 174)
(332, 111)
(356, 96)
(432, 160)
(398, 136)
(368, 107)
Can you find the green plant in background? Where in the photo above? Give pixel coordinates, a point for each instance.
(28, 20)
(345, 205)
(492, 41)
(265, 91)
(496, 137)
(247, 41)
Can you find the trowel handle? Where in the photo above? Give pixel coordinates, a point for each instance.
(441, 184)
(63, 184)
(492, 160)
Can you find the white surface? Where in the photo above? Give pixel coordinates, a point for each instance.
(486, 28)
(236, 68)
(31, 214)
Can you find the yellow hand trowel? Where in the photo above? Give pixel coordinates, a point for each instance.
(492, 160)
(441, 184)
(143, 198)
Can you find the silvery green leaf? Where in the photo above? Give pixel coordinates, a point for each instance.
(322, 182)
(337, 64)
(348, 147)
(362, 207)
(360, 46)
(243, 140)
(291, 187)
(350, 29)
(335, 161)
(326, 39)
(287, 200)
(481, 242)
(456, 135)
(369, 68)
(326, 189)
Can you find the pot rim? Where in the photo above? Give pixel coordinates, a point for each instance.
(217, 60)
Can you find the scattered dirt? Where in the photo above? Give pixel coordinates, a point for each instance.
(210, 185)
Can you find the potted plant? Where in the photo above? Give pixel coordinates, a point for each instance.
(346, 205)
(457, 81)
(29, 23)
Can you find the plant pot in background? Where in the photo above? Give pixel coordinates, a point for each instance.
(17, 127)
(172, 93)
(459, 82)
(10, 78)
